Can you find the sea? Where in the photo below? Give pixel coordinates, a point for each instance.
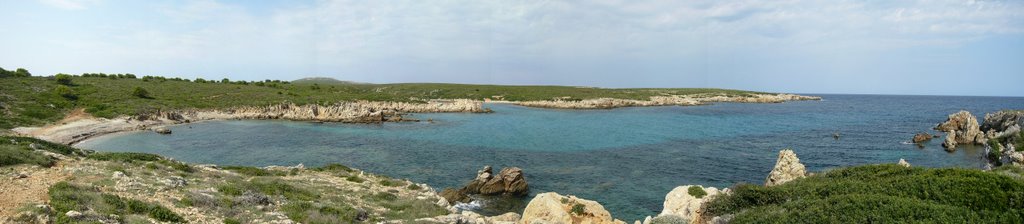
(627, 159)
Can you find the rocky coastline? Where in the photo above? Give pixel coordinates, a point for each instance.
(1000, 134)
(79, 126)
(672, 100)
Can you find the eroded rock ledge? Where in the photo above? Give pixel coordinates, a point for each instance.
(673, 100)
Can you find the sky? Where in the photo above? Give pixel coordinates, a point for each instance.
(920, 47)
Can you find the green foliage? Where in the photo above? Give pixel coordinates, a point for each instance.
(355, 179)
(696, 191)
(126, 157)
(414, 187)
(306, 212)
(254, 171)
(578, 209)
(21, 72)
(880, 194)
(333, 167)
(13, 155)
(65, 92)
(268, 186)
(231, 221)
(65, 197)
(669, 219)
(63, 79)
(391, 183)
(48, 146)
(140, 93)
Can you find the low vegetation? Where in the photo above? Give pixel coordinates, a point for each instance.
(880, 194)
(92, 205)
(19, 150)
(696, 191)
(32, 101)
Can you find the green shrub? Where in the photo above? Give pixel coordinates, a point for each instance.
(254, 171)
(355, 179)
(669, 219)
(48, 146)
(66, 92)
(63, 79)
(306, 212)
(414, 187)
(230, 220)
(696, 191)
(333, 167)
(126, 157)
(268, 186)
(391, 183)
(578, 209)
(880, 194)
(140, 92)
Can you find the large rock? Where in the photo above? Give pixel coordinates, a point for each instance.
(963, 127)
(1002, 121)
(553, 208)
(680, 202)
(787, 168)
(510, 181)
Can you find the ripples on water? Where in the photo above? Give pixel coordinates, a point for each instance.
(627, 159)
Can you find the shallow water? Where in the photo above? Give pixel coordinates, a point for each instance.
(626, 158)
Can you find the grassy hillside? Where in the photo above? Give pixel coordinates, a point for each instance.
(26, 101)
(882, 194)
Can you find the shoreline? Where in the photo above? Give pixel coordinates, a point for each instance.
(79, 126)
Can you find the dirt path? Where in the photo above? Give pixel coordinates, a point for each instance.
(16, 192)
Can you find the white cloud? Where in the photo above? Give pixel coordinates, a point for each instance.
(69, 4)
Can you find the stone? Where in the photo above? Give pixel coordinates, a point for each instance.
(922, 137)
(904, 163)
(510, 181)
(21, 175)
(162, 130)
(554, 208)
(964, 129)
(680, 203)
(787, 168)
(118, 175)
(35, 146)
(175, 182)
(73, 214)
(455, 196)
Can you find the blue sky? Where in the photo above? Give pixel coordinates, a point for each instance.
(803, 46)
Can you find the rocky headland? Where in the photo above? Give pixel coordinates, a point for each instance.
(672, 100)
(79, 126)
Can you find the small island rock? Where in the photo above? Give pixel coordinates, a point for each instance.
(787, 168)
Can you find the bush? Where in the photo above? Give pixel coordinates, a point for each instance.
(63, 79)
(355, 179)
(696, 191)
(65, 92)
(140, 93)
(13, 155)
(125, 157)
(880, 194)
(578, 209)
(65, 197)
(333, 167)
(21, 72)
(254, 171)
(391, 183)
(669, 219)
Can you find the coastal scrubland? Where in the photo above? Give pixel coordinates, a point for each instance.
(33, 100)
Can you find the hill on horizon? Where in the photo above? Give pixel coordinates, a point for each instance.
(324, 80)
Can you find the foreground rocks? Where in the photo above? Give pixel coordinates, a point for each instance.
(553, 208)
(686, 201)
(960, 128)
(787, 168)
(510, 181)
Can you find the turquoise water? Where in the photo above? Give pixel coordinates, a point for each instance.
(626, 158)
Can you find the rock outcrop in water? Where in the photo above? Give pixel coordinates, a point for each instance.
(922, 137)
(787, 168)
(960, 128)
(554, 209)
(509, 181)
(676, 100)
(1002, 124)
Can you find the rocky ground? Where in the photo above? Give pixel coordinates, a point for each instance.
(1000, 133)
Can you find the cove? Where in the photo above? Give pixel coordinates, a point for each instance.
(627, 158)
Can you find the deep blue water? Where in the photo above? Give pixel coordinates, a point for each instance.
(626, 158)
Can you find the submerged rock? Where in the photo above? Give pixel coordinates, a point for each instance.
(554, 208)
(963, 128)
(787, 168)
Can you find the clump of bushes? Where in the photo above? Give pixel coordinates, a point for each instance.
(254, 171)
(578, 209)
(66, 92)
(696, 191)
(355, 179)
(66, 197)
(333, 167)
(20, 72)
(126, 157)
(63, 79)
(880, 194)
